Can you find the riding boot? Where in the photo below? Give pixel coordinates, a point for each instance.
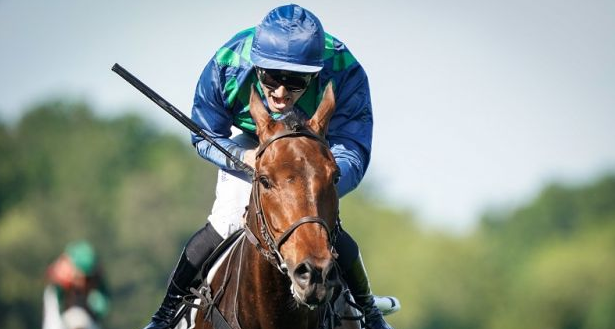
(357, 281)
(198, 249)
(179, 286)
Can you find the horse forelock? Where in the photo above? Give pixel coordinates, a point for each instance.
(293, 120)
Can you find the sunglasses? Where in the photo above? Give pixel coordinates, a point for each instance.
(293, 81)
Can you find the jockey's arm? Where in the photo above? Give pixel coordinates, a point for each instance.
(350, 129)
(210, 114)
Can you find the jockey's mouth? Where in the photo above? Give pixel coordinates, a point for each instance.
(279, 103)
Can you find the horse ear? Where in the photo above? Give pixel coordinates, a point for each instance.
(259, 112)
(320, 121)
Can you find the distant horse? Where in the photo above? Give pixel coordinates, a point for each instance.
(282, 273)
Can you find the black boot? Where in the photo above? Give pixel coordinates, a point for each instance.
(179, 286)
(357, 281)
(200, 246)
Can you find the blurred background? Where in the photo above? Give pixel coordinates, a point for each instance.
(489, 201)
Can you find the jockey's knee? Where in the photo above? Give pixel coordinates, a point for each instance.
(347, 249)
(202, 244)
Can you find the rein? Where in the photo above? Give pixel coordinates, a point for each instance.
(272, 252)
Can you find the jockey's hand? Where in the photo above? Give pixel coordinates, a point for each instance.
(249, 157)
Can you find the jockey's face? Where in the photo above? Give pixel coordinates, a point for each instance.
(282, 88)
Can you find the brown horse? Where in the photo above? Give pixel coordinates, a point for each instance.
(282, 273)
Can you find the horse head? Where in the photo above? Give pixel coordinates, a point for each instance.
(295, 199)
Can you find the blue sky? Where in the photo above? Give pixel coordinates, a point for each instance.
(477, 104)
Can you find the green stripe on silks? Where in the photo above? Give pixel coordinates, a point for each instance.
(247, 47)
(310, 100)
(341, 61)
(226, 56)
(328, 46)
(244, 120)
(230, 89)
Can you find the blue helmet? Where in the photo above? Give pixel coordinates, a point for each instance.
(289, 38)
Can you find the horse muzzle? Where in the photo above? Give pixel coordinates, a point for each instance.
(312, 284)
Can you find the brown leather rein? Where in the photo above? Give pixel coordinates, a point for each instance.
(272, 252)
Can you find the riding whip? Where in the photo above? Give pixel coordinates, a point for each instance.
(177, 114)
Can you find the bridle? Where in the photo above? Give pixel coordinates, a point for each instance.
(272, 252)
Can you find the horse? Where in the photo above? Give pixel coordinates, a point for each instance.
(282, 273)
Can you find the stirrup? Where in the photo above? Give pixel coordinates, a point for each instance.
(387, 304)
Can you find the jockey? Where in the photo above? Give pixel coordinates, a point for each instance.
(289, 59)
(76, 285)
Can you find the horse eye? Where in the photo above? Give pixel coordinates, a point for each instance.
(264, 181)
(336, 178)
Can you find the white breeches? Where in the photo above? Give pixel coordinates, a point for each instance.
(75, 317)
(232, 195)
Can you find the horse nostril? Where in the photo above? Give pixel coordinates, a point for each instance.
(303, 274)
(331, 275)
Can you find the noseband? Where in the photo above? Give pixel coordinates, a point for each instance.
(272, 253)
